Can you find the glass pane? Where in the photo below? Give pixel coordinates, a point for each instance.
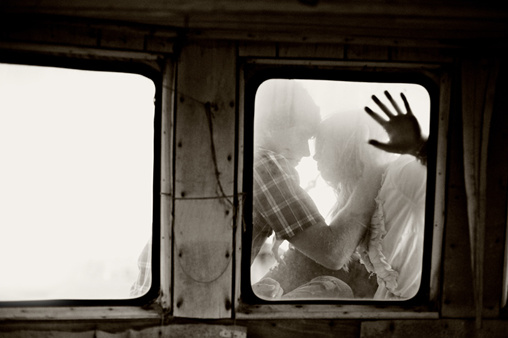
(311, 155)
(76, 181)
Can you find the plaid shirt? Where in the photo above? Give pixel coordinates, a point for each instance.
(280, 205)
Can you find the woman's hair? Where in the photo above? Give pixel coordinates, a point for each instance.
(281, 104)
(348, 133)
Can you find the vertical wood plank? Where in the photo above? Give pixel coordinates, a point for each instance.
(204, 180)
(457, 296)
(166, 182)
(440, 186)
(478, 88)
(205, 122)
(496, 200)
(203, 258)
(239, 229)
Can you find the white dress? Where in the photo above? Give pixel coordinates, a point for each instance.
(394, 251)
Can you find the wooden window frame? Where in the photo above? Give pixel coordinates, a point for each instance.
(427, 305)
(157, 302)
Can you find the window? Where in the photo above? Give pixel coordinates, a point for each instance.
(76, 197)
(319, 127)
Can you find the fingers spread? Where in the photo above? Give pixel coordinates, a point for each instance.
(406, 104)
(375, 116)
(382, 106)
(394, 104)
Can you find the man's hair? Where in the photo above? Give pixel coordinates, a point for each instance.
(281, 104)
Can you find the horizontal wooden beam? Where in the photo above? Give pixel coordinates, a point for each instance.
(76, 313)
(430, 8)
(290, 20)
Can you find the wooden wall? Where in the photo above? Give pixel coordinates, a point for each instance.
(199, 48)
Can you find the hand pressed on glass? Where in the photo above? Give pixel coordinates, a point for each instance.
(402, 128)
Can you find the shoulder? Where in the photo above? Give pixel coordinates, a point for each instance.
(272, 163)
(262, 155)
(406, 175)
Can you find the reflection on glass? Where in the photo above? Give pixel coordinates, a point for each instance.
(76, 181)
(310, 156)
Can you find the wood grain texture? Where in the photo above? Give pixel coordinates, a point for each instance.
(324, 20)
(204, 181)
(203, 258)
(166, 184)
(205, 121)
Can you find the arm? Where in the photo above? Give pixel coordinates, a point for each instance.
(291, 213)
(332, 246)
(402, 128)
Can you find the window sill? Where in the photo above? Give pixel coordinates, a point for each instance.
(334, 311)
(77, 313)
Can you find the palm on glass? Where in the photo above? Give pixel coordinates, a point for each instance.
(403, 130)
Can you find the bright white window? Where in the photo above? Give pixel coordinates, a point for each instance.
(76, 181)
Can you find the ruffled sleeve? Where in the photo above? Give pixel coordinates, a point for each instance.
(394, 248)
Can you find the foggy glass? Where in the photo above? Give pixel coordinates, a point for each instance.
(343, 101)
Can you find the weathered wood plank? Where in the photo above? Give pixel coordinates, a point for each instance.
(181, 330)
(478, 88)
(67, 33)
(360, 52)
(440, 186)
(167, 133)
(203, 258)
(204, 180)
(496, 200)
(331, 311)
(205, 121)
(121, 38)
(312, 50)
(303, 328)
(160, 42)
(170, 331)
(257, 49)
(457, 295)
(421, 54)
(46, 334)
(433, 328)
(78, 52)
(240, 224)
(76, 313)
(402, 7)
(452, 20)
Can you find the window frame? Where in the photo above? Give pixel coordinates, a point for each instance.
(435, 78)
(143, 64)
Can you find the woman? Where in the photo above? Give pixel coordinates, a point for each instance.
(393, 247)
